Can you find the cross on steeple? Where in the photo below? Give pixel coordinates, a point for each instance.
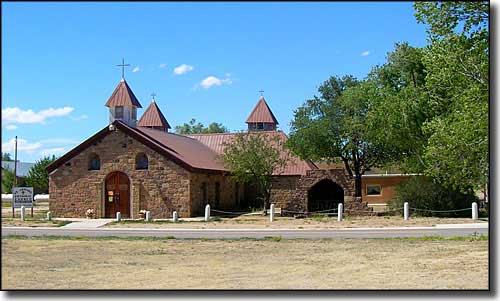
(261, 92)
(153, 95)
(123, 65)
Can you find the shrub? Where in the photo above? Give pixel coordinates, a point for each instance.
(422, 193)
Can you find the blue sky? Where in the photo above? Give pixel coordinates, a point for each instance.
(58, 60)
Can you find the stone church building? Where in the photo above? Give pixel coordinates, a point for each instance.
(132, 165)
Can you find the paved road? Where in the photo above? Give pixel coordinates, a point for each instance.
(455, 230)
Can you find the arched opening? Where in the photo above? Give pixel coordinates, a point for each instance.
(141, 161)
(94, 162)
(117, 197)
(324, 195)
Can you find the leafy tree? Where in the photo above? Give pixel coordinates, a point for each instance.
(38, 177)
(194, 127)
(338, 124)
(7, 180)
(6, 157)
(253, 158)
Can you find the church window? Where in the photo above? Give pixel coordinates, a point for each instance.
(141, 161)
(119, 112)
(94, 162)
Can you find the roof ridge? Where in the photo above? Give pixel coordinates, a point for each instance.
(262, 113)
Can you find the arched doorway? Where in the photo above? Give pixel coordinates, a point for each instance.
(117, 198)
(324, 195)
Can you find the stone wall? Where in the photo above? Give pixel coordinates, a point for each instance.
(227, 200)
(284, 190)
(163, 188)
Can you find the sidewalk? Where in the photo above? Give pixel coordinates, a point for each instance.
(86, 223)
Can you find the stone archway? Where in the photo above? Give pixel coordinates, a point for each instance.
(324, 195)
(117, 194)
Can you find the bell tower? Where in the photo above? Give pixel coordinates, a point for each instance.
(261, 118)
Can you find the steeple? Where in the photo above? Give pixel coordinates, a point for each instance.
(123, 104)
(261, 118)
(153, 118)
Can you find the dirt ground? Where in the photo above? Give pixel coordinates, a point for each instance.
(244, 264)
(259, 222)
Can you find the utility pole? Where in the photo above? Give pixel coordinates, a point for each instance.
(15, 178)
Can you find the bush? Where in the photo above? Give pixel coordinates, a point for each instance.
(422, 193)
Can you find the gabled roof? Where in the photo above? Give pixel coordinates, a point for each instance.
(153, 117)
(262, 113)
(123, 96)
(22, 168)
(187, 152)
(295, 166)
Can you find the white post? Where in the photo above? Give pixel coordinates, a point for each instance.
(406, 211)
(475, 214)
(207, 212)
(340, 208)
(271, 213)
(23, 212)
(148, 216)
(175, 217)
(118, 216)
(49, 215)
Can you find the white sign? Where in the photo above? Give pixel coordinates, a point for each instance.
(22, 196)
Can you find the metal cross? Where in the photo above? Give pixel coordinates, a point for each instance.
(261, 92)
(153, 95)
(123, 65)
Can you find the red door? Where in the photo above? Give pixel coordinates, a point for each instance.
(117, 197)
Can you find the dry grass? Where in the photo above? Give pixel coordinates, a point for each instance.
(244, 264)
(38, 219)
(262, 222)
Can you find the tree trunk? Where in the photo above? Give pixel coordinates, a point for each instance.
(357, 185)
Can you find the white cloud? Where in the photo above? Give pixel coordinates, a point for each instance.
(163, 65)
(181, 69)
(11, 127)
(214, 81)
(81, 117)
(17, 115)
(22, 146)
(365, 53)
(136, 69)
(53, 151)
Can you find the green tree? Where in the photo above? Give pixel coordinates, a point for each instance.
(38, 177)
(337, 124)
(7, 180)
(194, 127)
(254, 158)
(6, 157)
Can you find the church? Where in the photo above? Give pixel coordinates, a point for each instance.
(137, 164)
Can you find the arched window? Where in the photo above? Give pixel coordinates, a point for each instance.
(94, 162)
(141, 161)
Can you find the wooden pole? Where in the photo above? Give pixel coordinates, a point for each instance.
(15, 178)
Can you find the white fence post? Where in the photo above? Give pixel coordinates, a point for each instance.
(23, 212)
(49, 215)
(175, 218)
(207, 212)
(148, 216)
(118, 216)
(339, 213)
(271, 215)
(406, 208)
(475, 214)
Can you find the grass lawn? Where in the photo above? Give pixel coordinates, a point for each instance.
(319, 222)
(112, 263)
(38, 219)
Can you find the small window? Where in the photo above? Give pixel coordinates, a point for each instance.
(260, 126)
(141, 161)
(94, 162)
(204, 193)
(119, 112)
(217, 194)
(373, 190)
(134, 113)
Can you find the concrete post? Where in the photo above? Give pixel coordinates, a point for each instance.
(148, 216)
(118, 216)
(271, 213)
(340, 212)
(207, 212)
(23, 213)
(49, 215)
(406, 208)
(475, 213)
(175, 218)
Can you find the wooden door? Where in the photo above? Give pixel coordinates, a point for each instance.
(117, 197)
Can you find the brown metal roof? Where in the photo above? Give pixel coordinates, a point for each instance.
(262, 113)
(153, 117)
(296, 166)
(123, 96)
